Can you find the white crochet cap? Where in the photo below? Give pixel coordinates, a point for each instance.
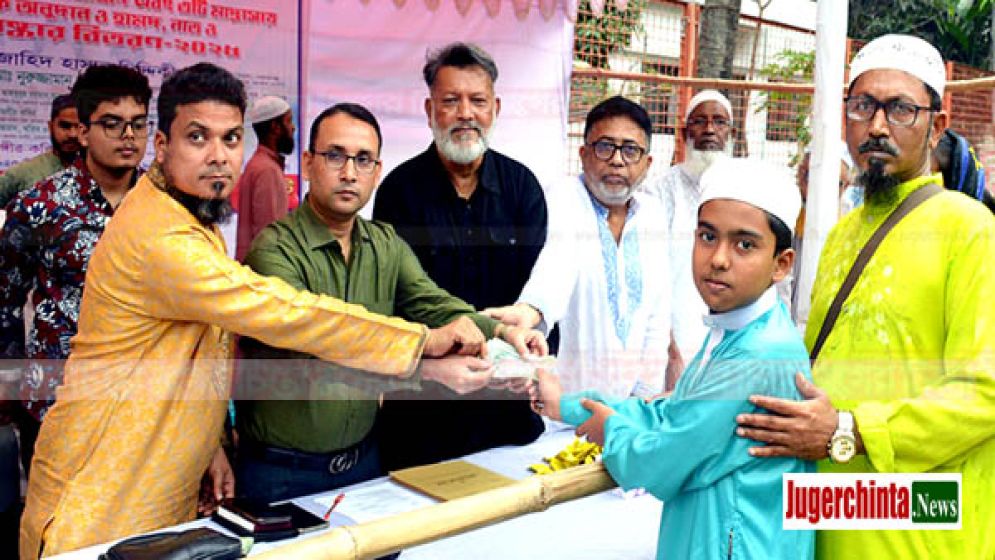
(755, 182)
(909, 54)
(708, 95)
(267, 108)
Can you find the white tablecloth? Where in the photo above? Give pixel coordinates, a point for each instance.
(599, 527)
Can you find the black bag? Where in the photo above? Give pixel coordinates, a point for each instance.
(193, 544)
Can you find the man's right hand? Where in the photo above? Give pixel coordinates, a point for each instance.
(518, 315)
(463, 374)
(460, 336)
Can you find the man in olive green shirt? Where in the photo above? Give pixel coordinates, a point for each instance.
(63, 128)
(315, 432)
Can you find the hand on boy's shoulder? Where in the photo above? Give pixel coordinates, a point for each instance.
(792, 428)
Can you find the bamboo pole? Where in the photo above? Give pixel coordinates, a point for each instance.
(405, 530)
(954, 86)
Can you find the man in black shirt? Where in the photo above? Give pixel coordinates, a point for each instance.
(476, 219)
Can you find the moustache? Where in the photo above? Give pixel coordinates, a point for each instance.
(615, 181)
(878, 145)
(345, 189)
(215, 172)
(472, 125)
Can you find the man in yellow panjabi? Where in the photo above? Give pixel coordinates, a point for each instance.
(139, 418)
(909, 363)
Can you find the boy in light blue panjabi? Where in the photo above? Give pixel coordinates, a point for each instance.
(720, 502)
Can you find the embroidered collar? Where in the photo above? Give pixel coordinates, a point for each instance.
(157, 177)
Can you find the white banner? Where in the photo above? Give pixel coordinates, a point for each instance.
(373, 53)
(44, 45)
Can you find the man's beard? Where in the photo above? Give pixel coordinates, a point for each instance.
(63, 153)
(208, 211)
(879, 187)
(459, 152)
(609, 196)
(285, 145)
(697, 161)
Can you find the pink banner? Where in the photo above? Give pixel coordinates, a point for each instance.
(44, 45)
(373, 54)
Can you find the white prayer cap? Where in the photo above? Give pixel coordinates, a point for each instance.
(909, 54)
(708, 95)
(267, 108)
(755, 182)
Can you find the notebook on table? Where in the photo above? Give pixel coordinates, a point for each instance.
(266, 522)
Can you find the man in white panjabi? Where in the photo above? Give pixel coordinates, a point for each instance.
(600, 275)
(707, 128)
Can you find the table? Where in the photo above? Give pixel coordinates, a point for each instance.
(598, 527)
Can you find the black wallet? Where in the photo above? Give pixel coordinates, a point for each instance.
(192, 544)
(299, 520)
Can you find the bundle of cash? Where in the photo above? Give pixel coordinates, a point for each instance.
(509, 364)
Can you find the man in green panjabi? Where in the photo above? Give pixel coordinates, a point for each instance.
(907, 370)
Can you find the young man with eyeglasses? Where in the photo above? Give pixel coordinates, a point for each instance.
(52, 228)
(322, 437)
(63, 129)
(601, 275)
(707, 128)
(906, 371)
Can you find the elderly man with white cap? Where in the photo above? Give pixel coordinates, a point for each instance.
(708, 123)
(720, 501)
(260, 198)
(905, 361)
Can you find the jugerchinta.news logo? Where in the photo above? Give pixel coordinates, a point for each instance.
(872, 501)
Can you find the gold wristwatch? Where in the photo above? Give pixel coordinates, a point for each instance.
(843, 445)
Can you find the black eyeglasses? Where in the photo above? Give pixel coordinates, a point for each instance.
(115, 127)
(365, 163)
(605, 151)
(702, 122)
(897, 112)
